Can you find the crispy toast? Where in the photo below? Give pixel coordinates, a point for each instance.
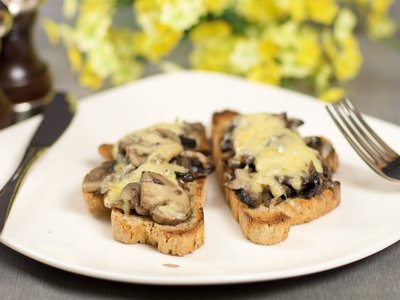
(270, 224)
(172, 236)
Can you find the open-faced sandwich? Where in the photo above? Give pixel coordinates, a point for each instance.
(153, 183)
(272, 178)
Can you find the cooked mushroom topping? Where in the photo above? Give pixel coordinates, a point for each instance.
(150, 173)
(241, 180)
(312, 186)
(290, 166)
(315, 142)
(167, 202)
(152, 145)
(167, 134)
(131, 194)
(187, 142)
(197, 164)
(92, 181)
(293, 123)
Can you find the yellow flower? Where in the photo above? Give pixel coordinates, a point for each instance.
(268, 49)
(284, 35)
(213, 55)
(123, 41)
(269, 73)
(322, 11)
(245, 55)
(322, 78)
(210, 30)
(298, 10)
(328, 44)
(75, 58)
(307, 41)
(181, 14)
(52, 30)
(216, 7)
(89, 78)
(142, 7)
(308, 49)
(178, 14)
(348, 61)
(126, 71)
(92, 25)
(259, 11)
(379, 24)
(332, 95)
(380, 6)
(344, 24)
(96, 7)
(380, 27)
(158, 43)
(103, 59)
(290, 67)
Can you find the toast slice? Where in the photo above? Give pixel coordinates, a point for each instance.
(267, 220)
(159, 198)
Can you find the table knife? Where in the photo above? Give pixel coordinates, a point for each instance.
(57, 117)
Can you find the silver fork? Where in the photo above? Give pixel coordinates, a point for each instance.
(368, 145)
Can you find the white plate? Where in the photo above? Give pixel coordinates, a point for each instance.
(49, 221)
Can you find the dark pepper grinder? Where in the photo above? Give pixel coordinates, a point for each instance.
(6, 111)
(24, 78)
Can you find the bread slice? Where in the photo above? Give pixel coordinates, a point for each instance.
(179, 239)
(270, 225)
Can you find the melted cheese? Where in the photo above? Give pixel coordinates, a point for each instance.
(162, 150)
(278, 151)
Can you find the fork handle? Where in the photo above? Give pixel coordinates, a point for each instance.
(392, 169)
(9, 191)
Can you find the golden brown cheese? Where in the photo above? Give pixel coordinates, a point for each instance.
(157, 162)
(279, 152)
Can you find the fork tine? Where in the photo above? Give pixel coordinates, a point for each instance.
(360, 151)
(363, 136)
(355, 136)
(374, 137)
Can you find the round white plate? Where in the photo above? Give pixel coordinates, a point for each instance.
(49, 221)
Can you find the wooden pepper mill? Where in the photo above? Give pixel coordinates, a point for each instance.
(6, 112)
(24, 78)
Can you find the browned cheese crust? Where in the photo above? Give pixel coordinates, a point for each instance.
(263, 225)
(180, 239)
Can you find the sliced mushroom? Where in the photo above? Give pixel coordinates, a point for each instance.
(241, 180)
(168, 134)
(323, 146)
(92, 181)
(187, 142)
(252, 200)
(197, 163)
(139, 150)
(167, 202)
(131, 194)
(326, 151)
(138, 153)
(312, 186)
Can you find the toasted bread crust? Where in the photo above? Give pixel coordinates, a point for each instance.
(95, 205)
(179, 239)
(263, 225)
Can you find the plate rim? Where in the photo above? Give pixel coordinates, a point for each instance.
(201, 280)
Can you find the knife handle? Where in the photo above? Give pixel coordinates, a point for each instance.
(9, 191)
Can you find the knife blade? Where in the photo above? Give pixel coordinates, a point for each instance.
(56, 119)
